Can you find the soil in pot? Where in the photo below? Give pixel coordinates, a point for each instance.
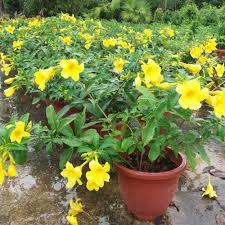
(141, 163)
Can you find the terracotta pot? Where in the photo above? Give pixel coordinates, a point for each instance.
(220, 53)
(148, 195)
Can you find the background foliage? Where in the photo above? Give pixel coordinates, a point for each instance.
(128, 10)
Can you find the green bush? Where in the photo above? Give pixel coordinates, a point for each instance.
(12, 7)
(208, 15)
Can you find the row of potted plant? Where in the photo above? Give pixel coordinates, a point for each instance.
(117, 96)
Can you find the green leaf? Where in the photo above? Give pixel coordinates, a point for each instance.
(25, 118)
(190, 154)
(173, 144)
(154, 151)
(79, 123)
(49, 148)
(67, 131)
(126, 144)
(84, 149)
(65, 156)
(63, 111)
(35, 100)
(19, 156)
(91, 136)
(148, 131)
(72, 142)
(201, 151)
(51, 116)
(66, 121)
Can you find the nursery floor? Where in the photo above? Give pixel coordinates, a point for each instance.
(37, 196)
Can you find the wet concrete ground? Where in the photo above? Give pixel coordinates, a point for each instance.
(37, 196)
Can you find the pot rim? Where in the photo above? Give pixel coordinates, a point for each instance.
(154, 175)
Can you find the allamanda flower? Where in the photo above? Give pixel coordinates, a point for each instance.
(210, 45)
(97, 175)
(11, 171)
(17, 44)
(193, 68)
(220, 70)
(196, 52)
(218, 102)
(73, 175)
(10, 29)
(71, 68)
(152, 72)
(66, 40)
(75, 207)
(72, 220)
(10, 80)
(2, 172)
(9, 91)
(119, 64)
(42, 77)
(208, 191)
(19, 132)
(191, 94)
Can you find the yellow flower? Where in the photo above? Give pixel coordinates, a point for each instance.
(124, 44)
(75, 207)
(131, 49)
(42, 77)
(6, 68)
(137, 81)
(33, 23)
(66, 40)
(87, 45)
(196, 52)
(193, 68)
(210, 70)
(17, 44)
(218, 103)
(67, 17)
(11, 170)
(19, 132)
(210, 45)
(202, 60)
(220, 70)
(167, 32)
(148, 33)
(71, 68)
(152, 72)
(119, 64)
(9, 91)
(72, 220)
(73, 175)
(9, 81)
(10, 29)
(97, 175)
(191, 94)
(2, 172)
(208, 191)
(109, 42)
(165, 85)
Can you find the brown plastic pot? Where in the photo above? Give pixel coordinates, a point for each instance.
(220, 53)
(148, 195)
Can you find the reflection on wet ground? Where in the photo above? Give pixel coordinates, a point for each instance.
(37, 196)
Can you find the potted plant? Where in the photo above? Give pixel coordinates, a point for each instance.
(148, 152)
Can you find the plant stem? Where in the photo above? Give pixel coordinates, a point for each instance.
(141, 159)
